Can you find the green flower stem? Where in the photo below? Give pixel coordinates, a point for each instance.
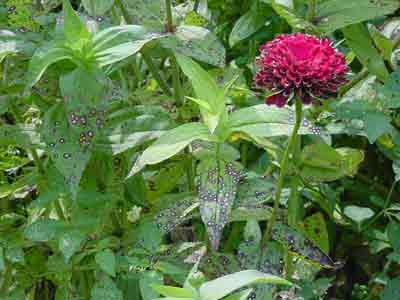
(311, 10)
(284, 170)
(156, 74)
(33, 152)
(170, 24)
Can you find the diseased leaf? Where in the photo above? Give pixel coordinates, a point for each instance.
(196, 42)
(217, 192)
(315, 229)
(336, 14)
(300, 245)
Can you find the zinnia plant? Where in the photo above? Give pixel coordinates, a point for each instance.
(300, 65)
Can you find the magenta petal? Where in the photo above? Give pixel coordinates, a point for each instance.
(277, 99)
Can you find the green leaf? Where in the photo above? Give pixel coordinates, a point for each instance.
(383, 43)
(196, 42)
(169, 144)
(320, 162)
(206, 89)
(11, 44)
(70, 243)
(336, 14)
(217, 191)
(389, 93)
(223, 286)
(249, 23)
(391, 291)
(393, 232)
(299, 245)
(105, 289)
(360, 41)
(75, 31)
(396, 169)
(45, 56)
(97, 7)
(44, 230)
(106, 261)
(147, 280)
(358, 214)
(173, 292)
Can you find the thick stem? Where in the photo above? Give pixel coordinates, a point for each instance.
(284, 169)
(178, 92)
(168, 7)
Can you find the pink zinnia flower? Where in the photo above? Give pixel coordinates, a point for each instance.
(300, 65)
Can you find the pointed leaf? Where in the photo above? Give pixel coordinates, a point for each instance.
(75, 31)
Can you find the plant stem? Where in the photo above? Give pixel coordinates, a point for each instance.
(284, 169)
(311, 10)
(33, 152)
(168, 7)
(156, 74)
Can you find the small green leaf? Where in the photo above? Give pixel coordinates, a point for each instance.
(250, 23)
(105, 289)
(393, 231)
(223, 286)
(169, 144)
(360, 41)
(147, 280)
(315, 229)
(70, 243)
(106, 261)
(358, 214)
(75, 31)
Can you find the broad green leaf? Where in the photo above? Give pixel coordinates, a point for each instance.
(391, 291)
(389, 92)
(249, 23)
(360, 41)
(206, 89)
(10, 44)
(45, 56)
(97, 7)
(70, 243)
(299, 245)
(106, 289)
(75, 31)
(169, 144)
(320, 162)
(21, 135)
(149, 13)
(383, 43)
(106, 261)
(147, 280)
(223, 286)
(336, 14)
(358, 214)
(147, 236)
(217, 191)
(173, 292)
(393, 232)
(44, 230)
(196, 42)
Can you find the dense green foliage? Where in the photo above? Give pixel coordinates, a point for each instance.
(138, 160)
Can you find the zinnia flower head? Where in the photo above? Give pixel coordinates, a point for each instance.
(300, 65)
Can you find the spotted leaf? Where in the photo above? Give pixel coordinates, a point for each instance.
(217, 192)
